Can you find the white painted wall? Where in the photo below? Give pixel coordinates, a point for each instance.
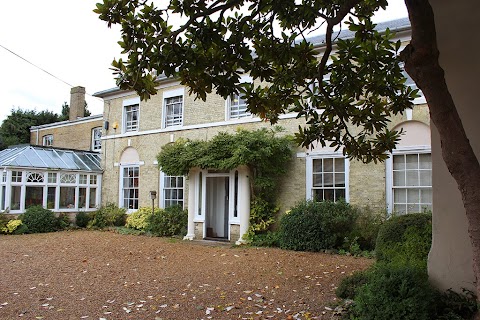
(450, 260)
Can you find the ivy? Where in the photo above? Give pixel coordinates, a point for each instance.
(265, 152)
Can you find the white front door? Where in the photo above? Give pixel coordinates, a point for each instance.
(217, 204)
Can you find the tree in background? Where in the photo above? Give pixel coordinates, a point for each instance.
(213, 46)
(15, 129)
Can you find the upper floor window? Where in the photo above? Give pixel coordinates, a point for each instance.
(236, 104)
(327, 178)
(96, 139)
(47, 140)
(410, 83)
(131, 117)
(173, 110)
(237, 107)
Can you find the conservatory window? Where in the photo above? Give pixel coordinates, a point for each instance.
(52, 177)
(16, 176)
(82, 197)
(92, 200)
(68, 178)
(15, 198)
(34, 177)
(33, 196)
(67, 197)
(51, 197)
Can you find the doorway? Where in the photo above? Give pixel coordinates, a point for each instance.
(217, 204)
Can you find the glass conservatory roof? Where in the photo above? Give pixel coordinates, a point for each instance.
(50, 158)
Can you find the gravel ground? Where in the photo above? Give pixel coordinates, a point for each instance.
(104, 275)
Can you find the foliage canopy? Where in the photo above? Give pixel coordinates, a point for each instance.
(266, 154)
(213, 47)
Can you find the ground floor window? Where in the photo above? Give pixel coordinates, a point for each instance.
(327, 178)
(411, 182)
(172, 190)
(130, 184)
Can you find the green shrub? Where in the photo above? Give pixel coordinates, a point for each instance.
(82, 219)
(456, 306)
(168, 222)
(3, 221)
(14, 226)
(267, 239)
(63, 221)
(107, 216)
(262, 216)
(395, 292)
(314, 226)
(349, 285)
(39, 220)
(366, 227)
(139, 219)
(405, 239)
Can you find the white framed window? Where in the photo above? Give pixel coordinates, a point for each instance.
(173, 108)
(129, 187)
(47, 140)
(410, 83)
(131, 116)
(172, 188)
(236, 104)
(409, 181)
(327, 177)
(237, 107)
(96, 139)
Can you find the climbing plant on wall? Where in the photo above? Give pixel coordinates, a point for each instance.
(265, 152)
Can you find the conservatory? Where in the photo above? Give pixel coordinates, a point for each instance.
(61, 180)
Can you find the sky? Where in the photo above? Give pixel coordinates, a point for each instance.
(67, 40)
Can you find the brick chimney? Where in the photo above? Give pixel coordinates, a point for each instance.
(77, 103)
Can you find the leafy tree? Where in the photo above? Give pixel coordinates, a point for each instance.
(214, 44)
(65, 115)
(15, 129)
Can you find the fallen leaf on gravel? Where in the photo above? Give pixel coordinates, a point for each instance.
(209, 311)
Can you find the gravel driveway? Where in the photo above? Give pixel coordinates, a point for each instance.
(104, 275)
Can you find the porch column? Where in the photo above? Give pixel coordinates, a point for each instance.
(243, 201)
(192, 178)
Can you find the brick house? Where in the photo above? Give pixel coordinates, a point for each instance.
(138, 129)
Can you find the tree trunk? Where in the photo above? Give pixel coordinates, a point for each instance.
(421, 63)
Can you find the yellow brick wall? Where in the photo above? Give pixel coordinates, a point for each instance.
(77, 135)
(367, 182)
